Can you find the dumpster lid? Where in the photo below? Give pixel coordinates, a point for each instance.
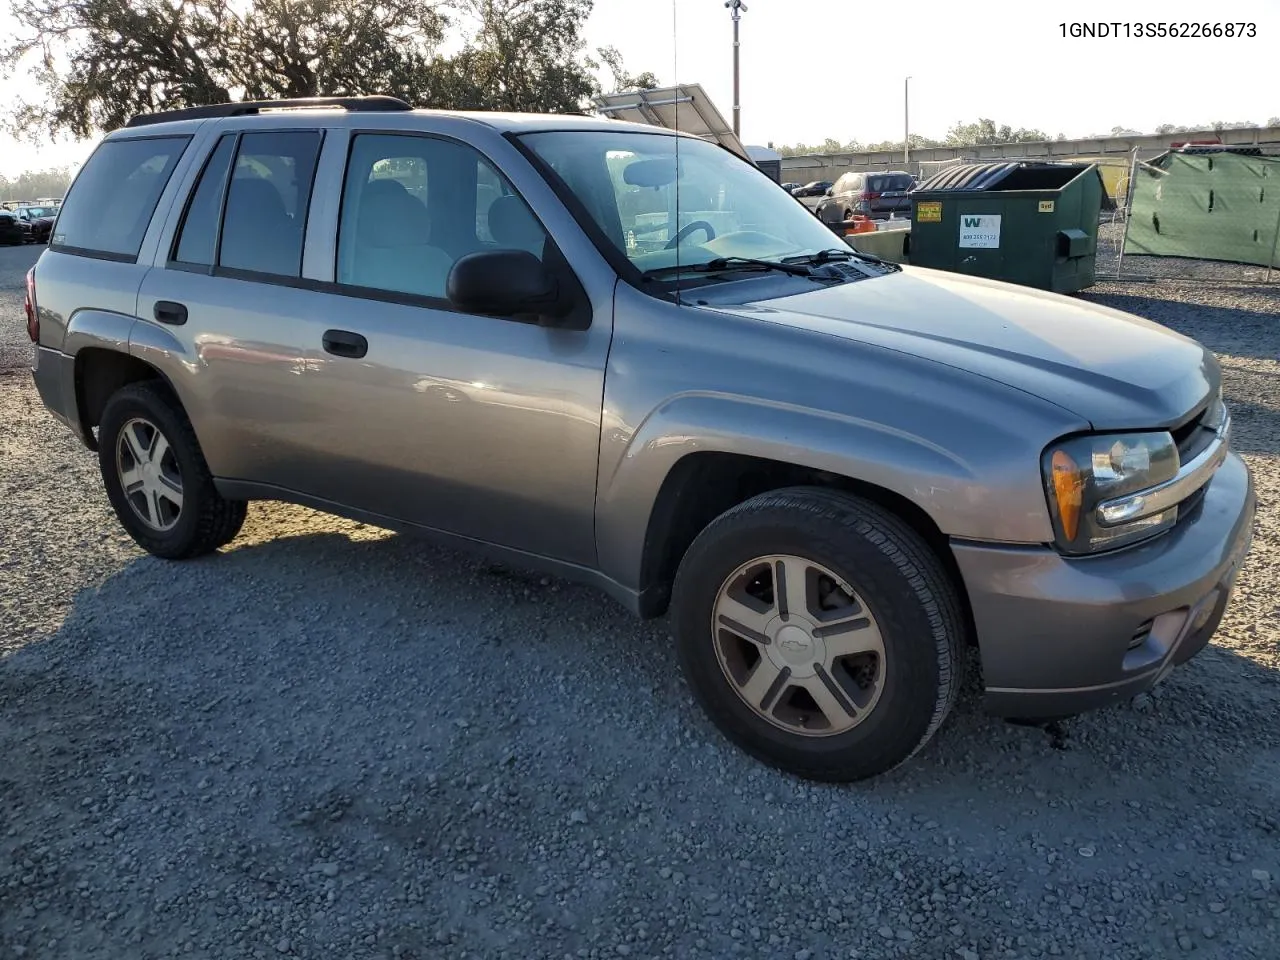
(1011, 175)
(985, 176)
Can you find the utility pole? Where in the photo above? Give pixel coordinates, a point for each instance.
(736, 8)
(906, 121)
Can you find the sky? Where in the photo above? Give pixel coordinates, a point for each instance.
(813, 69)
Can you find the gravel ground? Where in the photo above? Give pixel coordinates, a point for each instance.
(333, 742)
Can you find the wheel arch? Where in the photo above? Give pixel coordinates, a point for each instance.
(701, 486)
(100, 371)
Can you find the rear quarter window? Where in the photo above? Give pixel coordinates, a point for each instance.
(114, 197)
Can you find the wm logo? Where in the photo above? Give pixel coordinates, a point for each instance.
(972, 222)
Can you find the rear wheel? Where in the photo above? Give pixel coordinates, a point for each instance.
(819, 632)
(156, 477)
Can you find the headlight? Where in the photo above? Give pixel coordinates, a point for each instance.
(1095, 487)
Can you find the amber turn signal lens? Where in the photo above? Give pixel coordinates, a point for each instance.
(1068, 488)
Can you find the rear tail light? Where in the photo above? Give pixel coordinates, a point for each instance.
(873, 196)
(33, 316)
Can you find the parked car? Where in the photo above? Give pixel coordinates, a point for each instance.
(40, 220)
(834, 473)
(12, 228)
(877, 196)
(792, 187)
(815, 189)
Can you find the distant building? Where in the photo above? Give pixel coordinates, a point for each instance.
(768, 160)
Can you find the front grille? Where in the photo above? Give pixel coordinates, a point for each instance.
(1192, 436)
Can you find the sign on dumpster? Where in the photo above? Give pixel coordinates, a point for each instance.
(980, 231)
(929, 211)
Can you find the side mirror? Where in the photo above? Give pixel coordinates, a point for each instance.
(831, 192)
(504, 283)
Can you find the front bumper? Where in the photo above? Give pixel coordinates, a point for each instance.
(1062, 635)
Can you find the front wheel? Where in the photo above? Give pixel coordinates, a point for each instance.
(819, 632)
(156, 476)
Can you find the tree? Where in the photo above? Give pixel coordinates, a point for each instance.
(1220, 125)
(624, 82)
(918, 142)
(985, 131)
(35, 184)
(523, 55)
(99, 62)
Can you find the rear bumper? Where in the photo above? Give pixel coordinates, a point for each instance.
(1060, 636)
(55, 376)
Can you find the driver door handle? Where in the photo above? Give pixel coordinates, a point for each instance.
(344, 343)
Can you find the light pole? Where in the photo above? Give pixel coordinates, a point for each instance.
(736, 8)
(906, 121)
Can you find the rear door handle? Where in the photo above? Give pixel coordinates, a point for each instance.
(344, 343)
(167, 311)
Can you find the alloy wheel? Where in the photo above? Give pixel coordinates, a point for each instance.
(149, 474)
(798, 645)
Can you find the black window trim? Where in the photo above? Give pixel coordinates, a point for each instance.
(171, 258)
(114, 256)
(442, 304)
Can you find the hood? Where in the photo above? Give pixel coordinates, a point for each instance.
(1111, 368)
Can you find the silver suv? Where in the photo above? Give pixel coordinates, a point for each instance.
(628, 357)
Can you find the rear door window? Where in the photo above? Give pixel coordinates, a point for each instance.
(111, 203)
(266, 208)
(250, 215)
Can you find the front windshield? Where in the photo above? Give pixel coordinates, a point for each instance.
(717, 206)
(34, 212)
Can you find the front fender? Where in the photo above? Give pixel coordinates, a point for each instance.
(993, 492)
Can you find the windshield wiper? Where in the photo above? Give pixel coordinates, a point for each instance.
(723, 264)
(834, 254)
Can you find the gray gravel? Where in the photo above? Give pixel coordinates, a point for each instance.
(332, 742)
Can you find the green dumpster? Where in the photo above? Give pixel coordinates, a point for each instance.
(1026, 222)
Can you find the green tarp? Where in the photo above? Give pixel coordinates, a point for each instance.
(1210, 206)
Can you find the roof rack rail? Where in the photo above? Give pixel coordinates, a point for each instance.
(249, 107)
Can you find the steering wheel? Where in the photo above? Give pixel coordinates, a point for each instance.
(690, 228)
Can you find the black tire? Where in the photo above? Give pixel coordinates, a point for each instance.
(206, 520)
(913, 599)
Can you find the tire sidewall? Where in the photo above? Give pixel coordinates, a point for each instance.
(912, 675)
(122, 408)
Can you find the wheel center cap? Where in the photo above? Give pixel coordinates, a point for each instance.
(796, 645)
